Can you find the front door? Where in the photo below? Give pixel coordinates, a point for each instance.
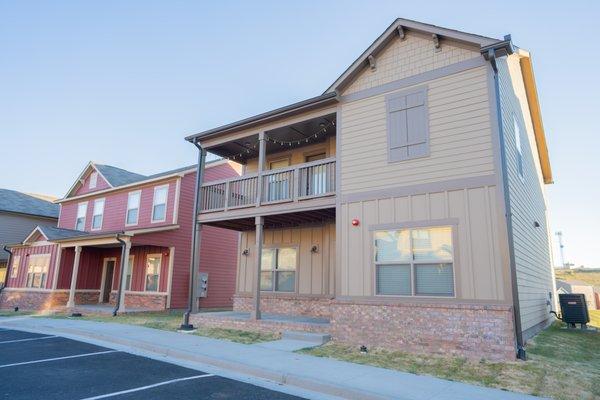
(108, 278)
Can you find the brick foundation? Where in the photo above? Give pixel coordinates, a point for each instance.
(263, 326)
(288, 305)
(466, 330)
(142, 301)
(43, 300)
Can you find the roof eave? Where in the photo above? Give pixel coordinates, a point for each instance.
(391, 32)
(292, 109)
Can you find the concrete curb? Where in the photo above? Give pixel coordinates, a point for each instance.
(296, 380)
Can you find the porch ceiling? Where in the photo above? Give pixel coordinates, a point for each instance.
(301, 131)
(279, 220)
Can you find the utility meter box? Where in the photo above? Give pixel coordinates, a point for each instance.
(202, 284)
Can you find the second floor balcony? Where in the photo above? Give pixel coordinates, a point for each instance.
(297, 183)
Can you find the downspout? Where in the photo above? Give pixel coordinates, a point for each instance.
(506, 47)
(10, 257)
(186, 326)
(118, 301)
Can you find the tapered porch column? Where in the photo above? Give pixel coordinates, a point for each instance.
(260, 222)
(71, 302)
(123, 283)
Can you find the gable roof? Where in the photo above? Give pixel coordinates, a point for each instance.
(17, 202)
(118, 176)
(393, 31)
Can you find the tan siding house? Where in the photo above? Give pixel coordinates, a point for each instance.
(377, 211)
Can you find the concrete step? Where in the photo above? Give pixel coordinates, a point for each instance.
(318, 338)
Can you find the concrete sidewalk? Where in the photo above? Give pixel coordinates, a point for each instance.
(327, 376)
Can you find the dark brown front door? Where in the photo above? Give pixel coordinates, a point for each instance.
(108, 278)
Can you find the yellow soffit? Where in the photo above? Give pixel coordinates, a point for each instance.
(536, 115)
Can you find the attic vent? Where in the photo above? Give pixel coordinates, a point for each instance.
(372, 62)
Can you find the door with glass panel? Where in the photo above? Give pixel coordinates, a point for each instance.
(315, 180)
(414, 262)
(279, 183)
(278, 269)
(109, 269)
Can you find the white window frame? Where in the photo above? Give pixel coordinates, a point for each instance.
(44, 278)
(410, 227)
(85, 205)
(518, 145)
(96, 201)
(14, 270)
(139, 202)
(93, 180)
(154, 204)
(274, 270)
(160, 257)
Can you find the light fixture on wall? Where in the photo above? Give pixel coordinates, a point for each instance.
(536, 224)
(314, 249)
(355, 222)
(245, 252)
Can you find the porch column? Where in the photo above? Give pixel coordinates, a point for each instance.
(123, 283)
(71, 302)
(262, 147)
(260, 222)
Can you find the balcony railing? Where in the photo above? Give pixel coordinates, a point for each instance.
(295, 183)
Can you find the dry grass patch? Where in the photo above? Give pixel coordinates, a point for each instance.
(171, 320)
(589, 277)
(562, 365)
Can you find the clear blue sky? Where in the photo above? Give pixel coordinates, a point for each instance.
(122, 82)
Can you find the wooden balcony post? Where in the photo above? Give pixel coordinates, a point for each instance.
(262, 148)
(259, 221)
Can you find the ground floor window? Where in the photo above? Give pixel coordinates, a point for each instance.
(129, 272)
(278, 269)
(414, 262)
(153, 262)
(14, 270)
(37, 270)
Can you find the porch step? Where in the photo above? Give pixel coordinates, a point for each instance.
(317, 338)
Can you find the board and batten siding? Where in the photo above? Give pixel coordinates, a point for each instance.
(460, 138)
(527, 202)
(478, 263)
(315, 271)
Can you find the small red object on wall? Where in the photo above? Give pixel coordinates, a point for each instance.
(355, 222)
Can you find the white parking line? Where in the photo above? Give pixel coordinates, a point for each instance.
(58, 358)
(28, 339)
(103, 396)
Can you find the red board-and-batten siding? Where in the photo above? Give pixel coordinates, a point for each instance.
(218, 255)
(25, 252)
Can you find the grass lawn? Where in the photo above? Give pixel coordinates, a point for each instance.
(562, 364)
(10, 313)
(171, 320)
(589, 277)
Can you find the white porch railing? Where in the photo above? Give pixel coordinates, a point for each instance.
(298, 182)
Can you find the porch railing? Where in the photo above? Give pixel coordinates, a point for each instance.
(298, 182)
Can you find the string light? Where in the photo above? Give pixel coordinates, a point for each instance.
(282, 143)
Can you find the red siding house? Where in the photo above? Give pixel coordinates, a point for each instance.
(111, 214)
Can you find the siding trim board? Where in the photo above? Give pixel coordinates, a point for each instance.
(415, 79)
(453, 184)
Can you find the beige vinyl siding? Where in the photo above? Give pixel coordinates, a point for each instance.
(315, 273)
(478, 267)
(297, 155)
(411, 56)
(528, 204)
(459, 132)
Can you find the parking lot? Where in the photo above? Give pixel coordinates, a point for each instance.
(36, 366)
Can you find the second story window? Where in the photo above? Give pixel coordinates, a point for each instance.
(159, 204)
(133, 208)
(93, 180)
(98, 215)
(80, 221)
(519, 150)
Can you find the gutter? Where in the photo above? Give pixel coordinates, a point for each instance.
(491, 53)
(186, 326)
(10, 257)
(122, 271)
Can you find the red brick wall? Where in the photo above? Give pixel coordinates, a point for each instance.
(288, 305)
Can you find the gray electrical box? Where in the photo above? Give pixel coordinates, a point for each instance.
(202, 284)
